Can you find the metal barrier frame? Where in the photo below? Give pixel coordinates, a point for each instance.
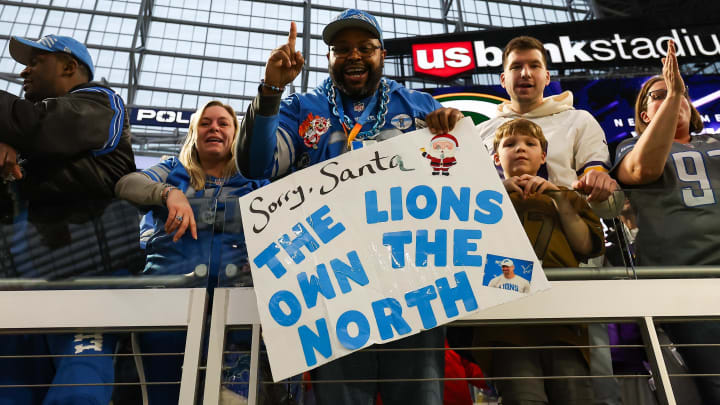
(642, 301)
(231, 307)
(113, 309)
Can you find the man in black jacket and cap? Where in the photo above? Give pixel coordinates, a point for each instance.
(62, 149)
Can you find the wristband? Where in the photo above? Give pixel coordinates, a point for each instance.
(165, 193)
(271, 87)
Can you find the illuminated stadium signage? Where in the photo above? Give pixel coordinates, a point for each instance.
(444, 59)
(610, 101)
(160, 117)
(451, 59)
(586, 44)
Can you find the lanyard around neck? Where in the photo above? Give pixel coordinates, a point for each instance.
(360, 121)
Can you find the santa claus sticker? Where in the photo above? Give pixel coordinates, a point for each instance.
(441, 154)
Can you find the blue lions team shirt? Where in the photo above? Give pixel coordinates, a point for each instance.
(220, 233)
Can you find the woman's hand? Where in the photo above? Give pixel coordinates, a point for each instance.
(180, 215)
(645, 163)
(671, 72)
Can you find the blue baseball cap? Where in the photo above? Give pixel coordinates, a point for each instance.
(352, 18)
(21, 49)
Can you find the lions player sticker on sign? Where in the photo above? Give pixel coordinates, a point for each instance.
(508, 273)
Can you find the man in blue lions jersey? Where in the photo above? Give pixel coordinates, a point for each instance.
(354, 107)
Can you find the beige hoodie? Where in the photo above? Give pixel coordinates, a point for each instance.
(576, 142)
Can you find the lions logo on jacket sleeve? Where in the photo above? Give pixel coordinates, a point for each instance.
(312, 129)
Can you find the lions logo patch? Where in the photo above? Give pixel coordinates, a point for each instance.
(312, 129)
(401, 121)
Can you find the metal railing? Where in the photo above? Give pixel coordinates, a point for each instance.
(599, 301)
(583, 295)
(113, 310)
(646, 302)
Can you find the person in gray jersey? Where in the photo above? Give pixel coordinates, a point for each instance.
(670, 174)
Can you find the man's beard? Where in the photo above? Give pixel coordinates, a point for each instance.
(374, 76)
(36, 94)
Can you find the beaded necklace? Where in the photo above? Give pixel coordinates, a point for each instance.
(348, 123)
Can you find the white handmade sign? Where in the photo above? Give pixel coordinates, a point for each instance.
(382, 243)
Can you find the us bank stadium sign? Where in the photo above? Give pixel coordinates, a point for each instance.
(586, 44)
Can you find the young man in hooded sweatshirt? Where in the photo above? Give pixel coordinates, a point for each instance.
(577, 155)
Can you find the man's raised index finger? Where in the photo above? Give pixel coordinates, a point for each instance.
(292, 36)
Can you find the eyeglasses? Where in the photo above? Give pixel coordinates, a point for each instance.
(661, 94)
(343, 51)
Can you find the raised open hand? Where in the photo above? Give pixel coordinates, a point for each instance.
(671, 72)
(285, 63)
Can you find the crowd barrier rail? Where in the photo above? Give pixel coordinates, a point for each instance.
(646, 302)
(113, 310)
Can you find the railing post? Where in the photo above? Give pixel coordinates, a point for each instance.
(216, 343)
(657, 362)
(307, 19)
(193, 347)
(254, 365)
